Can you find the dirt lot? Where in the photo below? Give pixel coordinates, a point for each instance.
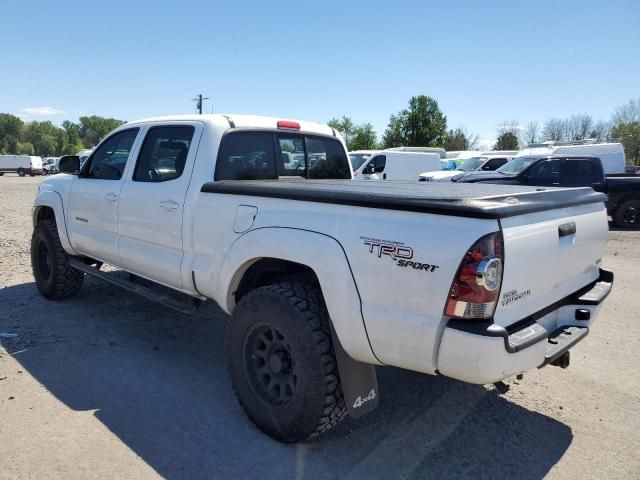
(109, 385)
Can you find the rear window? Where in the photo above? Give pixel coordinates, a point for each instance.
(262, 155)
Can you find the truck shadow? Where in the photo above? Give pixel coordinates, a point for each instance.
(158, 381)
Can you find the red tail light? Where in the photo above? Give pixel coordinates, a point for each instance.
(288, 124)
(475, 290)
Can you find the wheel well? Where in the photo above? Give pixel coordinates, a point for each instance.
(45, 213)
(268, 271)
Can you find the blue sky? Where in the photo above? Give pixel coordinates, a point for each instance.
(485, 62)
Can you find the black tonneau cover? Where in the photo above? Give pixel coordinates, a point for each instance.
(477, 200)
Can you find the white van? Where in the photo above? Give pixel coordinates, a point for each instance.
(610, 154)
(21, 164)
(397, 165)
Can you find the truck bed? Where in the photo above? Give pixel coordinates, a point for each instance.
(475, 200)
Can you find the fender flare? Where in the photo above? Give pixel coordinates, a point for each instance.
(331, 267)
(53, 200)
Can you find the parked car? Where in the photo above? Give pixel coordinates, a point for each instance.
(50, 165)
(324, 277)
(623, 191)
(21, 164)
(484, 164)
(397, 165)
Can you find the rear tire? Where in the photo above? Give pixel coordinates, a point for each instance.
(282, 363)
(1, 174)
(54, 277)
(627, 215)
(21, 172)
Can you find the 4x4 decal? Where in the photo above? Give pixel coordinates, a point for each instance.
(400, 253)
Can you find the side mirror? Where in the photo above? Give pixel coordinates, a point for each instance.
(368, 170)
(69, 164)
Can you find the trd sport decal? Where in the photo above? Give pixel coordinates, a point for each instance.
(400, 253)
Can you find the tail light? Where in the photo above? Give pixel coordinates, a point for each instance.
(288, 124)
(476, 287)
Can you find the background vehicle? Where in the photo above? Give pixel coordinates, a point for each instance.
(358, 157)
(50, 165)
(397, 165)
(483, 163)
(623, 191)
(84, 154)
(440, 151)
(610, 154)
(20, 164)
(324, 277)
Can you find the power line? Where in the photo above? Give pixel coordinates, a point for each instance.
(199, 99)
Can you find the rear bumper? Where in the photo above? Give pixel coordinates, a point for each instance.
(483, 352)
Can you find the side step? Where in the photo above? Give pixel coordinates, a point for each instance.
(146, 292)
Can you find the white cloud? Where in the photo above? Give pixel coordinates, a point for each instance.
(42, 111)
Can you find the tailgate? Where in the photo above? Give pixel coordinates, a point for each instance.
(549, 255)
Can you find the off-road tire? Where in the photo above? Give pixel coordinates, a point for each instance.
(623, 218)
(298, 311)
(21, 172)
(59, 280)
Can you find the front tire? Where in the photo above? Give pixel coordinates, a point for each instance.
(282, 363)
(627, 215)
(54, 277)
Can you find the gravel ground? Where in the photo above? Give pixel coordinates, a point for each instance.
(109, 385)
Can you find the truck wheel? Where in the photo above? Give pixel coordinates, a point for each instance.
(32, 174)
(282, 364)
(21, 172)
(55, 278)
(628, 214)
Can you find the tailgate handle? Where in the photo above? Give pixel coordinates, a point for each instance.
(567, 229)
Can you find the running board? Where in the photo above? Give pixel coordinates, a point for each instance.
(141, 290)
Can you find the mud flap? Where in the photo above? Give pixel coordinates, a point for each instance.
(359, 381)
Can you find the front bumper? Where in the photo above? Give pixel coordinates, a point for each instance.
(484, 352)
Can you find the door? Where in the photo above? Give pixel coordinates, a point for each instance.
(93, 199)
(545, 174)
(152, 202)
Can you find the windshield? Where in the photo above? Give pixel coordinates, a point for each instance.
(357, 159)
(515, 166)
(471, 164)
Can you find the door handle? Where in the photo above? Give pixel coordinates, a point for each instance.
(111, 197)
(169, 205)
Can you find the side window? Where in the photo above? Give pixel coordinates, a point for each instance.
(581, 173)
(494, 163)
(326, 158)
(545, 173)
(246, 156)
(378, 163)
(108, 160)
(164, 154)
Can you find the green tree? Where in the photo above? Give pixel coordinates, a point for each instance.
(629, 135)
(363, 138)
(626, 127)
(24, 149)
(46, 138)
(393, 136)
(422, 124)
(459, 139)
(10, 130)
(345, 126)
(95, 128)
(506, 141)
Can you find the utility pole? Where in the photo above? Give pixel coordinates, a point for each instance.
(199, 98)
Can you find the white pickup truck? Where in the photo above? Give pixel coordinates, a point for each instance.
(324, 277)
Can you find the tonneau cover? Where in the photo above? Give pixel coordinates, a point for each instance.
(477, 200)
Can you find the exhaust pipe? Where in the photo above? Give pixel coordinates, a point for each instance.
(562, 361)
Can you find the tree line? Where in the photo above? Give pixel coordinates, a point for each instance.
(423, 124)
(45, 139)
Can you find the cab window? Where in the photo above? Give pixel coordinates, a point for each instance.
(545, 173)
